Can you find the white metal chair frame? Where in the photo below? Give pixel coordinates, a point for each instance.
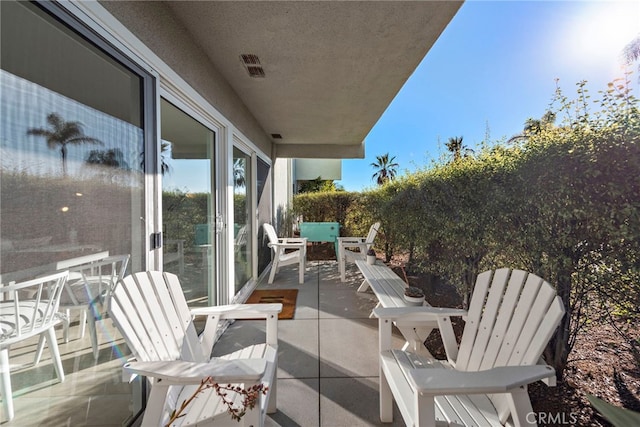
(28, 309)
(286, 251)
(88, 290)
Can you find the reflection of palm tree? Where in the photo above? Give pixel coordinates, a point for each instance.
(457, 148)
(62, 133)
(112, 157)
(164, 166)
(386, 169)
(239, 180)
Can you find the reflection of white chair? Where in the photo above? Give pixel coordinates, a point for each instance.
(152, 315)
(174, 253)
(346, 246)
(511, 318)
(240, 243)
(90, 286)
(296, 255)
(28, 309)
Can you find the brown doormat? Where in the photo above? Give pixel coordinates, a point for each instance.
(287, 297)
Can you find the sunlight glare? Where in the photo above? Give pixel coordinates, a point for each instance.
(597, 36)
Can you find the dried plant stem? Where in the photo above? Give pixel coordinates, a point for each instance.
(251, 397)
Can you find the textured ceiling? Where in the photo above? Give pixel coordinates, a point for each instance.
(330, 68)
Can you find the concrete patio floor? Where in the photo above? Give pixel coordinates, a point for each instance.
(328, 365)
(327, 370)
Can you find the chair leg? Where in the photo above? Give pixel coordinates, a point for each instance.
(93, 334)
(274, 267)
(272, 404)
(83, 323)
(39, 349)
(5, 383)
(67, 321)
(55, 353)
(386, 400)
(301, 268)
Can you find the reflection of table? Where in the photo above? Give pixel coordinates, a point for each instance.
(321, 232)
(28, 273)
(65, 247)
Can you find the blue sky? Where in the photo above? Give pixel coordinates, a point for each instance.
(493, 67)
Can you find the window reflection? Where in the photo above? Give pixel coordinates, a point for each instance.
(71, 186)
(70, 177)
(242, 219)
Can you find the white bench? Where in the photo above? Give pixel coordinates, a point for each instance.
(389, 289)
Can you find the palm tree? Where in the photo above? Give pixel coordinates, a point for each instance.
(62, 133)
(534, 126)
(631, 51)
(457, 148)
(386, 169)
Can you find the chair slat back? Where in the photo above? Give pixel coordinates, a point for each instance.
(373, 231)
(271, 233)
(30, 307)
(512, 315)
(151, 312)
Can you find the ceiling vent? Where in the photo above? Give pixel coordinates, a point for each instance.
(251, 63)
(276, 136)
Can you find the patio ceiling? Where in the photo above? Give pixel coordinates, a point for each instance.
(330, 68)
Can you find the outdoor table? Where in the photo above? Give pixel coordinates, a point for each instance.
(321, 232)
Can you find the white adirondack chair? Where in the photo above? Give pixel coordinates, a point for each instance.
(152, 315)
(28, 309)
(286, 251)
(88, 290)
(512, 316)
(346, 246)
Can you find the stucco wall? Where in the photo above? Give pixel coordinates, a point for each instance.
(153, 23)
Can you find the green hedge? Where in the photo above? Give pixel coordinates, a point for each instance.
(563, 203)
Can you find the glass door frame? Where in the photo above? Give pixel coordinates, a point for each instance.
(192, 110)
(254, 153)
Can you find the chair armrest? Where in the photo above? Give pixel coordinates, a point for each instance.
(424, 313)
(351, 240)
(290, 243)
(240, 311)
(496, 380)
(294, 240)
(425, 316)
(180, 372)
(362, 246)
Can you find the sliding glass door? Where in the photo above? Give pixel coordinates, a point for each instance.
(188, 203)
